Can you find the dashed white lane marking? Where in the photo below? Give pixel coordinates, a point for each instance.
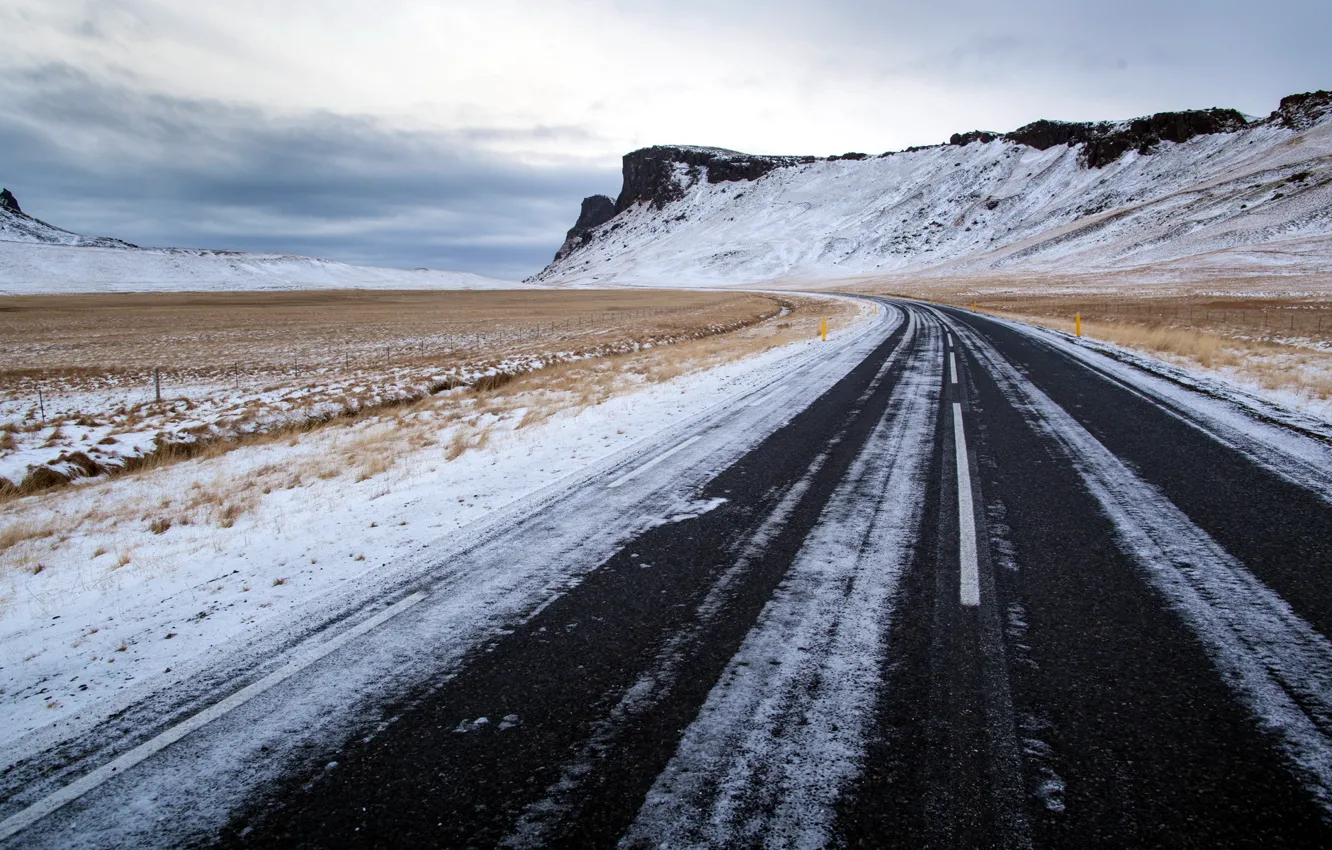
(125, 761)
(952, 365)
(656, 460)
(966, 517)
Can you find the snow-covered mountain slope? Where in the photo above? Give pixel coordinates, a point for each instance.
(37, 258)
(18, 226)
(1232, 196)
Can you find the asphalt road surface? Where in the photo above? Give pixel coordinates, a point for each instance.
(964, 584)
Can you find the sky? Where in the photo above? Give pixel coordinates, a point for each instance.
(463, 135)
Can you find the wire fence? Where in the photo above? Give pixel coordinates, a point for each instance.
(479, 344)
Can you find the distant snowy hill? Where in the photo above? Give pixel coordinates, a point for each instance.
(36, 258)
(17, 226)
(1175, 193)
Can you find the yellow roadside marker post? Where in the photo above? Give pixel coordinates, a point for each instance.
(1077, 323)
(973, 306)
(823, 329)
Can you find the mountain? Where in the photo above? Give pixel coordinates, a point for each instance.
(1177, 193)
(18, 226)
(39, 258)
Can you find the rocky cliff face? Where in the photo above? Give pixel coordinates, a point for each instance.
(9, 202)
(1104, 142)
(660, 174)
(597, 210)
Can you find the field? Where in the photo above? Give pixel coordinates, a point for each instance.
(1296, 321)
(79, 388)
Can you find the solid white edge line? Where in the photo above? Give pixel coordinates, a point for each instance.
(656, 460)
(966, 518)
(48, 804)
(952, 365)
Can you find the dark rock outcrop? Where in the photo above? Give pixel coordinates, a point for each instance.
(596, 211)
(1104, 142)
(1302, 111)
(650, 174)
(1044, 134)
(851, 155)
(964, 139)
(9, 202)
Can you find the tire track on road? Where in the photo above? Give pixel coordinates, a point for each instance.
(1276, 664)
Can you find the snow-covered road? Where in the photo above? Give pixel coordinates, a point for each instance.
(773, 623)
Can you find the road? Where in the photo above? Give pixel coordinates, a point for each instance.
(964, 584)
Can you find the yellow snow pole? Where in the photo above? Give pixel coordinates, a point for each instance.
(823, 329)
(1077, 323)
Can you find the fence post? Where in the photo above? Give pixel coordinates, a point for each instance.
(41, 405)
(157, 383)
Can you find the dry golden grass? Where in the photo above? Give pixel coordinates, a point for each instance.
(1273, 366)
(272, 365)
(368, 447)
(1253, 319)
(292, 334)
(21, 531)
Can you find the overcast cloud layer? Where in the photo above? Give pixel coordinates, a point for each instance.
(463, 135)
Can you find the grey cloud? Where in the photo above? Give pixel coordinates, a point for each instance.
(103, 159)
(1184, 53)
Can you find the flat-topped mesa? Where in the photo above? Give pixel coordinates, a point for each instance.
(650, 174)
(9, 202)
(660, 175)
(1104, 142)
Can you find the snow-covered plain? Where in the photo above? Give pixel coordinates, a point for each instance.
(1256, 201)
